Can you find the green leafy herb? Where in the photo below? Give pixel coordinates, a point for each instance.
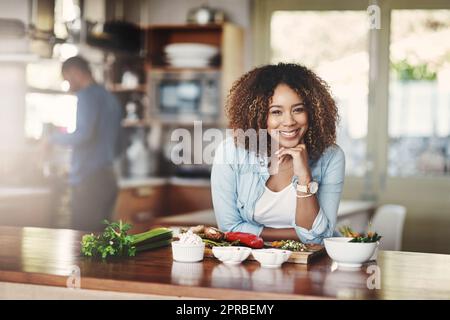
(371, 237)
(116, 242)
(289, 245)
(346, 231)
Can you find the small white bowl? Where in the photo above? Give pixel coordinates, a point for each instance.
(231, 255)
(187, 252)
(271, 258)
(349, 254)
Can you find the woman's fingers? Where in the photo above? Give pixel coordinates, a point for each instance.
(291, 151)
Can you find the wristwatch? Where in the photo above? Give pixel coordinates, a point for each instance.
(311, 187)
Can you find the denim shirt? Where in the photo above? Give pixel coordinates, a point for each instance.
(238, 179)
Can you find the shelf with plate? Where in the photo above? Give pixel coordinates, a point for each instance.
(189, 52)
(177, 95)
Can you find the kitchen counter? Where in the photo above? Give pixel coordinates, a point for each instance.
(349, 212)
(125, 183)
(14, 192)
(15, 209)
(33, 257)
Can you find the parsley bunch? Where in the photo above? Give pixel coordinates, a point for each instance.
(114, 241)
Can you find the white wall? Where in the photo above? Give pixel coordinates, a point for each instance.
(18, 162)
(12, 81)
(175, 12)
(14, 10)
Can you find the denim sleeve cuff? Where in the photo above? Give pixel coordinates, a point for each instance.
(315, 235)
(250, 228)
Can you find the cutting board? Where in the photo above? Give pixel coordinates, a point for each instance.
(305, 257)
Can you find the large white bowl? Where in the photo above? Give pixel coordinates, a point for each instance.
(349, 254)
(231, 255)
(271, 258)
(187, 252)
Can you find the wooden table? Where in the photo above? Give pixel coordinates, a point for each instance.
(46, 257)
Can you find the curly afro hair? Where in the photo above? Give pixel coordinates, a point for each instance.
(249, 99)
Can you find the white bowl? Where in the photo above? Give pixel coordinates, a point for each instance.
(191, 49)
(188, 62)
(349, 254)
(271, 258)
(187, 252)
(231, 255)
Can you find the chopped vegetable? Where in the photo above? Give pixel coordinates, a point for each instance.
(346, 231)
(213, 237)
(116, 242)
(153, 245)
(213, 234)
(205, 232)
(248, 239)
(212, 243)
(197, 229)
(371, 237)
(289, 245)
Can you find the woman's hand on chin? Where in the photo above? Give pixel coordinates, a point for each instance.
(299, 155)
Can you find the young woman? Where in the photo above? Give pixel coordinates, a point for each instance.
(291, 190)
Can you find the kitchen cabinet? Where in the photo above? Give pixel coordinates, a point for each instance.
(141, 202)
(141, 205)
(186, 199)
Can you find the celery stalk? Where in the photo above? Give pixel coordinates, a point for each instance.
(153, 245)
(151, 235)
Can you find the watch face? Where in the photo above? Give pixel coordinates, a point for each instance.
(313, 187)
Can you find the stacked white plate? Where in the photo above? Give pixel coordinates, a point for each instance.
(190, 55)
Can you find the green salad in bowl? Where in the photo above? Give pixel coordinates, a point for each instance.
(359, 237)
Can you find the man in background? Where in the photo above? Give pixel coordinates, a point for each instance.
(94, 146)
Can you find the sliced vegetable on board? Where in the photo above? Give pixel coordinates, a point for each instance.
(248, 239)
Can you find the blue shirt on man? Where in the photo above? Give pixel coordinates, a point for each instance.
(96, 138)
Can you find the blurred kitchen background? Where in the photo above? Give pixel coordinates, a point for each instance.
(391, 82)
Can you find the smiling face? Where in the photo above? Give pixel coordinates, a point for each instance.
(287, 120)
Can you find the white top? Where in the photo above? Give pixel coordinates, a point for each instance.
(277, 209)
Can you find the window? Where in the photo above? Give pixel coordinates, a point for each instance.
(56, 109)
(419, 101)
(47, 100)
(337, 56)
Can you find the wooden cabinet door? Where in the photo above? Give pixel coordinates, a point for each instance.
(186, 199)
(140, 206)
